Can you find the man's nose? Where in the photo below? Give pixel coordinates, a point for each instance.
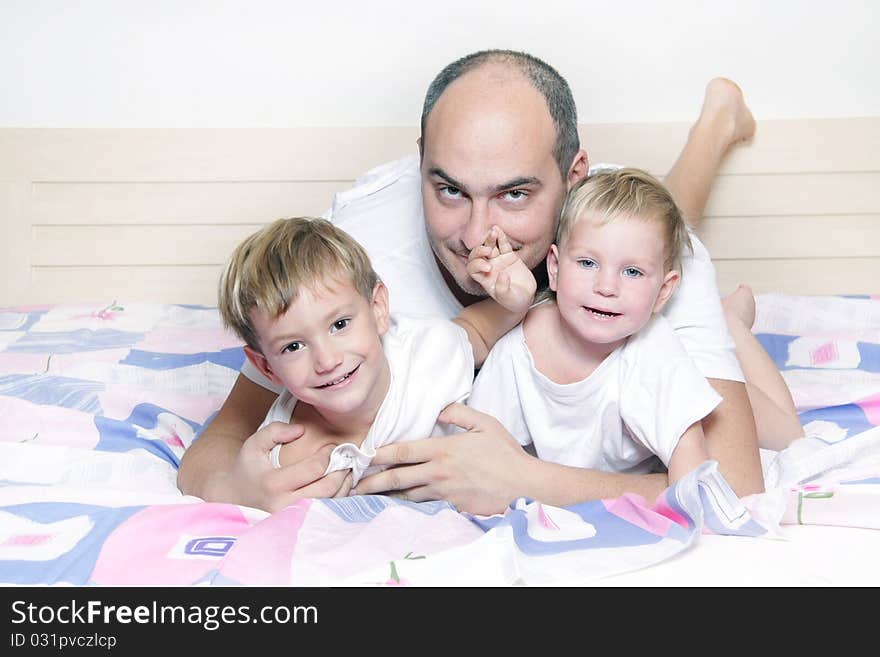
(477, 226)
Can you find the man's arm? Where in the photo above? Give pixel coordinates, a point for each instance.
(689, 453)
(732, 439)
(484, 469)
(230, 463)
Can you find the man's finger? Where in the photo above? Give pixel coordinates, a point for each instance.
(302, 473)
(393, 479)
(276, 432)
(463, 416)
(345, 486)
(328, 486)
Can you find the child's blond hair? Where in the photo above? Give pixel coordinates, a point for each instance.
(628, 192)
(269, 268)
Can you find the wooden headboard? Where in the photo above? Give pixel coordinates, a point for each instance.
(151, 215)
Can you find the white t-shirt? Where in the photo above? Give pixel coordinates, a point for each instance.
(432, 365)
(383, 212)
(636, 404)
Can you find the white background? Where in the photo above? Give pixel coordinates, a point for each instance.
(236, 63)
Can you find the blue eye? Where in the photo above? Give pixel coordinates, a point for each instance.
(450, 192)
(587, 263)
(340, 324)
(632, 272)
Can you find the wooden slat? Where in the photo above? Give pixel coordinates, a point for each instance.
(802, 276)
(811, 145)
(167, 245)
(306, 154)
(817, 236)
(184, 202)
(786, 146)
(15, 256)
(796, 194)
(196, 285)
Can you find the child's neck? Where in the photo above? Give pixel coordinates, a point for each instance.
(347, 427)
(560, 354)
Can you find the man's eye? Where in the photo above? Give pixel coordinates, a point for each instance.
(632, 272)
(292, 347)
(516, 195)
(340, 324)
(450, 192)
(587, 263)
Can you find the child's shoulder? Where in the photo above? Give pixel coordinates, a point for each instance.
(426, 330)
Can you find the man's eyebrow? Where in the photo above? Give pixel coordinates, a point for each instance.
(510, 184)
(440, 173)
(517, 182)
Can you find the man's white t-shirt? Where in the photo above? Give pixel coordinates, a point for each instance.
(635, 405)
(383, 212)
(432, 365)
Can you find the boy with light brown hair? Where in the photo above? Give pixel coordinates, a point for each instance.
(315, 320)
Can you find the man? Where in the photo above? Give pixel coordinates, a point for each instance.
(499, 145)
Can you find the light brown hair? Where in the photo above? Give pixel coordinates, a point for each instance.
(268, 269)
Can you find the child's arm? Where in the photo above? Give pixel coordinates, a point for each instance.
(689, 453)
(506, 279)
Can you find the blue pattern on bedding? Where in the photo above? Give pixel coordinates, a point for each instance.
(231, 358)
(76, 394)
(73, 566)
(67, 342)
(363, 508)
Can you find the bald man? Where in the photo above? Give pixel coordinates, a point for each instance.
(498, 146)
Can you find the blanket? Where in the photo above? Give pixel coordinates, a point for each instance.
(99, 401)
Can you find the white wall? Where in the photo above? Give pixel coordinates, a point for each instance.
(246, 63)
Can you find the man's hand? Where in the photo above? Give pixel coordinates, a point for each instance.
(496, 266)
(253, 481)
(478, 471)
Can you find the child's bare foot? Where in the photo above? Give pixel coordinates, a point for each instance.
(725, 108)
(740, 304)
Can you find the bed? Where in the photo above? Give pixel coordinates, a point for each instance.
(113, 360)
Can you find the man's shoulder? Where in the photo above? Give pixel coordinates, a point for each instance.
(396, 178)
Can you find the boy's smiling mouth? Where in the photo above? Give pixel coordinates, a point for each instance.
(338, 382)
(605, 314)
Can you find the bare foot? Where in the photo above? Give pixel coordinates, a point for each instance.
(740, 304)
(724, 105)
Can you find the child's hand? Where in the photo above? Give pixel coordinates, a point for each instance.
(505, 277)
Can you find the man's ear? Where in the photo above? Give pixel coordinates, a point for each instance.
(553, 266)
(579, 169)
(262, 364)
(380, 307)
(670, 282)
(421, 152)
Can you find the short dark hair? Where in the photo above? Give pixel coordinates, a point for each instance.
(543, 77)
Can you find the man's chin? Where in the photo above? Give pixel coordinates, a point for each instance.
(471, 288)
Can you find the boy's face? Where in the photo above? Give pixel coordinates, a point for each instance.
(609, 279)
(327, 349)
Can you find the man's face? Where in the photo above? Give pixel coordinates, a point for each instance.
(487, 159)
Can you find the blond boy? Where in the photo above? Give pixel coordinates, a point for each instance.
(595, 377)
(315, 320)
